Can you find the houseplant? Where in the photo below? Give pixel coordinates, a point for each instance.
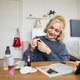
(51, 13)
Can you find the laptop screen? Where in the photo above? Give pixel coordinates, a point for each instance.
(75, 28)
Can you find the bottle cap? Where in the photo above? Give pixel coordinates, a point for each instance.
(10, 61)
(7, 50)
(36, 36)
(28, 57)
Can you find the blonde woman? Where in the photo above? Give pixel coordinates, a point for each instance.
(51, 46)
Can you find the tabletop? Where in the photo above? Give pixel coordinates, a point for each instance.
(37, 75)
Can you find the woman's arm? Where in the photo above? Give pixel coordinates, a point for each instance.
(46, 50)
(61, 54)
(52, 57)
(73, 63)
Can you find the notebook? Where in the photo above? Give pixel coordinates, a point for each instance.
(56, 69)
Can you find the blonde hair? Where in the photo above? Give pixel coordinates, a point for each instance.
(57, 19)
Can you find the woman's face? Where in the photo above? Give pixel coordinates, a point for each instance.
(53, 30)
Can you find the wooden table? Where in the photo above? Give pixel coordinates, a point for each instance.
(37, 75)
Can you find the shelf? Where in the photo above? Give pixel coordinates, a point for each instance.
(38, 18)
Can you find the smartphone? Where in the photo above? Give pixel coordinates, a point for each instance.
(51, 71)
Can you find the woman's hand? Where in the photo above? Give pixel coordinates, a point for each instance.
(73, 63)
(43, 47)
(33, 44)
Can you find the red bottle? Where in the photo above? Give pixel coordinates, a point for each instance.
(28, 61)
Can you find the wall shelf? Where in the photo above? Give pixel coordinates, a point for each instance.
(41, 18)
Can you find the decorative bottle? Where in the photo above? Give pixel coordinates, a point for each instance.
(28, 61)
(6, 56)
(10, 66)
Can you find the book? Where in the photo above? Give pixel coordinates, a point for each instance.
(57, 69)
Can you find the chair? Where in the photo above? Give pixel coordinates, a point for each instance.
(25, 45)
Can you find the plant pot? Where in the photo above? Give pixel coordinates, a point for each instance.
(51, 16)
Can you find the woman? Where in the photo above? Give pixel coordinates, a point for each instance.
(49, 47)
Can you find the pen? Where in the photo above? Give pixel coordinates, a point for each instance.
(63, 62)
(36, 48)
